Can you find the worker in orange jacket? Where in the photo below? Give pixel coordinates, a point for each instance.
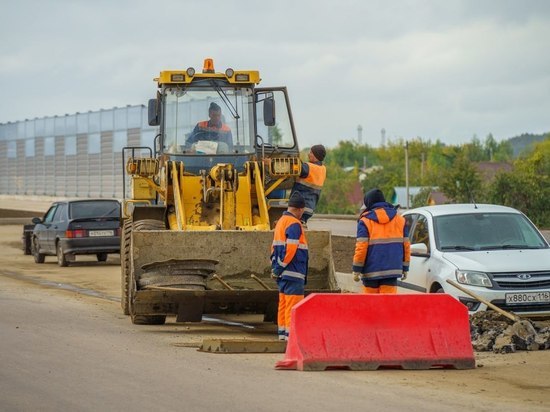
(289, 261)
(213, 129)
(311, 180)
(382, 247)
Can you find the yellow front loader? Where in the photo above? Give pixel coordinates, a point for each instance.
(202, 202)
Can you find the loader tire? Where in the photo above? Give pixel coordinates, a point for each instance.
(149, 224)
(125, 266)
(146, 224)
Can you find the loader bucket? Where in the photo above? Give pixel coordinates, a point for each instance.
(367, 332)
(239, 254)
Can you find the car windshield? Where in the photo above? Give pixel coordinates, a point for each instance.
(208, 120)
(486, 231)
(82, 210)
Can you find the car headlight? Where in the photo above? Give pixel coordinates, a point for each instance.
(467, 277)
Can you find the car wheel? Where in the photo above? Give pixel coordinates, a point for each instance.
(439, 290)
(38, 257)
(101, 257)
(61, 258)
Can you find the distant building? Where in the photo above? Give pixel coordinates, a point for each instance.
(489, 170)
(76, 155)
(436, 197)
(355, 196)
(399, 195)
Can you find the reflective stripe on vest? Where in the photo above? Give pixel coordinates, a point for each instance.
(204, 126)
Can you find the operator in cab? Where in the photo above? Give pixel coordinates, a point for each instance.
(212, 130)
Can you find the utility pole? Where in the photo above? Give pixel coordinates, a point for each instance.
(422, 168)
(407, 172)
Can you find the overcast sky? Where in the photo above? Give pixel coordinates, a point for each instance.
(447, 70)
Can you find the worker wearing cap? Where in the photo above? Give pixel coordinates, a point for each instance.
(311, 179)
(289, 261)
(382, 247)
(213, 129)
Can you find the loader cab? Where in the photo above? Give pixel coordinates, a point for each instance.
(211, 118)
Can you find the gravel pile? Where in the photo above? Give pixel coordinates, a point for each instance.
(490, 331)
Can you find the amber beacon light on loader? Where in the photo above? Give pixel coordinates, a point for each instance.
(203, 201)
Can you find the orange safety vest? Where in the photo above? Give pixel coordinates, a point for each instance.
(204, 126)
(289, 250)
(315, 178)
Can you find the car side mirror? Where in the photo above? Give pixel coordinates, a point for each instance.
(420, 250)
(153, 112)
(36, 220)
(269, 111)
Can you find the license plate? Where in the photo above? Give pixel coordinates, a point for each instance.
(94, 233)
(527, 298)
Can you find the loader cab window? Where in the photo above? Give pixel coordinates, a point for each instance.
(280, 134)
(208, 120)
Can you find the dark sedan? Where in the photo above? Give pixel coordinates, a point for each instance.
(77, 227)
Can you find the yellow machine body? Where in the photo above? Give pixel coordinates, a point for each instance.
(198, 229)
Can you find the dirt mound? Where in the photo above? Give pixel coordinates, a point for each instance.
(490, 331)
(343, 248)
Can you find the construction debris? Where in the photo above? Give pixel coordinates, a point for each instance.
(491, 331)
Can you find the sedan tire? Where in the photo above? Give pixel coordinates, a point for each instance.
(61, 257)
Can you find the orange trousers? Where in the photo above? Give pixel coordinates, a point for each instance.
(382, 289)
(286, 303)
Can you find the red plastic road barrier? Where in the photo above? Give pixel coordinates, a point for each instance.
(367, 332)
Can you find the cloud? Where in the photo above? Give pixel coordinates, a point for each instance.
(440, 70)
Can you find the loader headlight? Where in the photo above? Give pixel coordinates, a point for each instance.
(242, 77)
(190, 72)
(229, 72)
(280, 168)
(177, 77)
(468, 277)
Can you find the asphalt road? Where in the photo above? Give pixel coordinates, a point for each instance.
(66, 346)
(65, 352)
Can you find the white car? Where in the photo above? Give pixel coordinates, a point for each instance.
(494, 251)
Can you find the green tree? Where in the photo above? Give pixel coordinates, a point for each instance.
(461, 183)
(527, 186)
(421, 198)
(349, 153)
(335, 194)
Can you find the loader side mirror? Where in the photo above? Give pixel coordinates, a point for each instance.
(269, 111)
(36, 220)
(153, 111)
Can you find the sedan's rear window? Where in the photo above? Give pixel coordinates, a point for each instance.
(82, 210)
(485, 231)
